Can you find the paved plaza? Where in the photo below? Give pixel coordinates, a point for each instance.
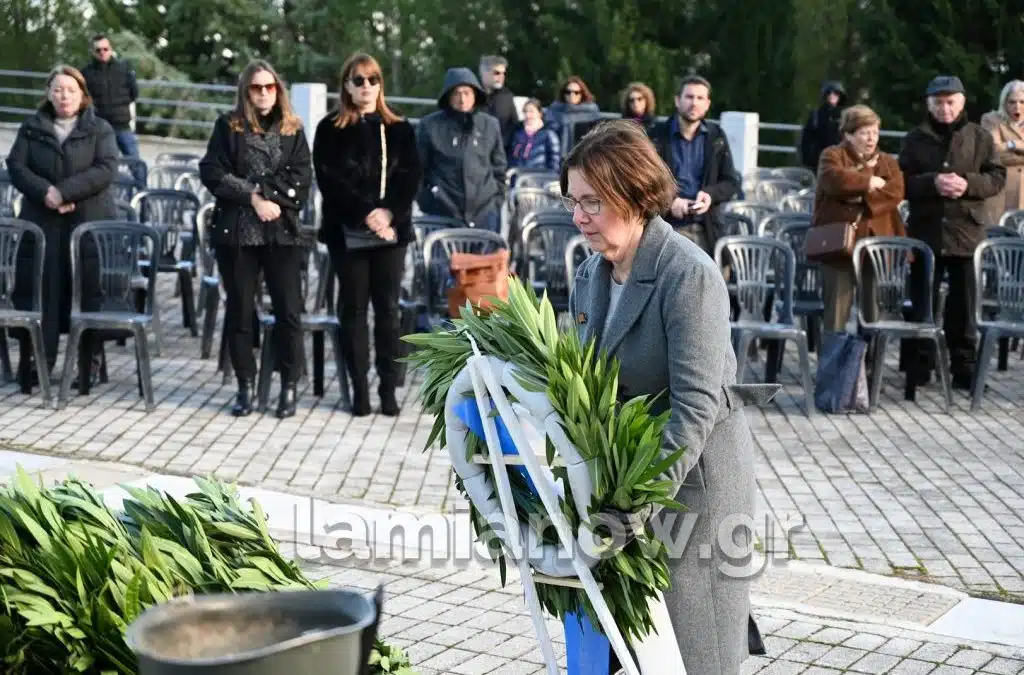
(909, 494)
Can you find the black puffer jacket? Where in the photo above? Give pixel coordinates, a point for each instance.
(951, 227)
(463, 156)
(113, 88)
(822, 127)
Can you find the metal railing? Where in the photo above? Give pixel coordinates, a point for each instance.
(201, 114)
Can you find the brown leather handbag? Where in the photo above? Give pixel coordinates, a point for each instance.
(832, 242)
(478, 278)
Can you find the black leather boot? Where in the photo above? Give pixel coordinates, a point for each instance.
(286, 403)
(244, 398)
(360, 397)
(388, 403)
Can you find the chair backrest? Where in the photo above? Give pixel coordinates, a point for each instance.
(761, 269)
(437, 251)
(133, 167)
(577, 250)
(797, 203)
(903, 208)
(170, 211)
(998, 232)
(526, 200)
(999, 278)
(754, 211)
(117, 247)
(189, 181)
(797, 174)
(125, 211)
(772, 190)
(164, 176)
(807, 276)
(186, 158)
(890, 260)
(771, 225)
(533, 179)
(13, 233)
(545, 238)
(125, 188)
(7, 196)
(1013, 220)
(204, 223)
(735, 224)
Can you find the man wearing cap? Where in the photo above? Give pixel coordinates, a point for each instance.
(951, 168)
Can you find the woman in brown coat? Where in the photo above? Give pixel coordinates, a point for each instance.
(856, 182)
(1007, 128)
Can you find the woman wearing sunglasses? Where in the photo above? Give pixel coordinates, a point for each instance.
(576, 106)
(368, 170)
(257, 166)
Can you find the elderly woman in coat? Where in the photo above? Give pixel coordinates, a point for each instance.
(63, 161)
(657, 302)
(1006, 124)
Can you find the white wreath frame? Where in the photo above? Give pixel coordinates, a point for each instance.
(484, 377)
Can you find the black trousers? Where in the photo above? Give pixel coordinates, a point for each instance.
(958, 321)
(240, 269)
(371, 275)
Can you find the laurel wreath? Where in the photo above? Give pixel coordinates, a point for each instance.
(620, 440)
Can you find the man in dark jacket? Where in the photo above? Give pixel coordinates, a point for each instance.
(697, 151)
(500, 100)
(822, 127)
(462, 154)
(951, 168)
(113, 88)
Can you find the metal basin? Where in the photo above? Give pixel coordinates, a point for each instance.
(291, 632)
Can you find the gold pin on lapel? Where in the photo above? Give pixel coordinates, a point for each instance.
(581, 318)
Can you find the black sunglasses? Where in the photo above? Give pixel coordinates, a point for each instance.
(359, 80)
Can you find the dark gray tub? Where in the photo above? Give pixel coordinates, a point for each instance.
(276, 633)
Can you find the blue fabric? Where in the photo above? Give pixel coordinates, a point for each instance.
(470, 414)
(540, 151)
(587, 649)
(840, 360)
(688, 159)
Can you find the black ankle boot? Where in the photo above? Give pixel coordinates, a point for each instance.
(244, 398)
(286, 403)
(389, 404)
(360, 399)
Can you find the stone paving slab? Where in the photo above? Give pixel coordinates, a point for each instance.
(908, 490)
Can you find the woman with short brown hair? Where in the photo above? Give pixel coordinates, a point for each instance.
(657, 303)
(257, 166)
(63, 161)
(368, 170)
(856, 182)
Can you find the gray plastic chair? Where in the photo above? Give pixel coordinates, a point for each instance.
(185, 158)
(797, 174)
(770, 226)
(133, 167)
(118, 246)
(577, 250)
(8, 194)
(208, 300)
(889, 258)
(755, 212)
(1013, 220)
(798, 203)
(543, 244)
(437, 251)
(13, 234)
(520, 203)
(999, 301)
(772, 190)
(808, 292)
(530, 178)
(763, 269)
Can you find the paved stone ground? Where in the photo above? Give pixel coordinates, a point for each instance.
(907, 490)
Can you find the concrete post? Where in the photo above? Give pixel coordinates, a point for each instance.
(310, 102)
(742, 131)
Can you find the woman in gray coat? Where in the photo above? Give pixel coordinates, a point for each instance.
(656, 302)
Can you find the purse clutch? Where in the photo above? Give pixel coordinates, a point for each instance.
(361, 239)
(832, 242)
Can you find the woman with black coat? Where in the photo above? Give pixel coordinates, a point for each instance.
(368, 171)
(257, 166)
(63, 161)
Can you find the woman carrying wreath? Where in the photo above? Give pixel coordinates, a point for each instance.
(656, 302)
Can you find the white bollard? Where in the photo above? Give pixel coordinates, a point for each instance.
(742, 131)
(309, 99)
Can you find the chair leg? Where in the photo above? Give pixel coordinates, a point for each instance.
(805, 373)
(318, 364)
(879, 365)
(212, 300)
(36, 336)
(1004, 354)
(342, 368)
(85, 363)
(6, 372)
(742, 347)
(988, 342)
(70, 361)
(942, 368)
(142, 363)
(266, 374)
(188, 302)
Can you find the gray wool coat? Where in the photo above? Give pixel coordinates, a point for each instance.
(670, 333)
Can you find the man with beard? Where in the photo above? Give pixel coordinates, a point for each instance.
(500, 100)
(951, 168)
(463, 155)
(822, 127)
(697, 151)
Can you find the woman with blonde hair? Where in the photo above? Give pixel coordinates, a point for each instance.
(1006, 124)
(856, 182)
(257, 167)
(368, 170)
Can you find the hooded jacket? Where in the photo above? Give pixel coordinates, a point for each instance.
(822, 128)
(463, 156)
